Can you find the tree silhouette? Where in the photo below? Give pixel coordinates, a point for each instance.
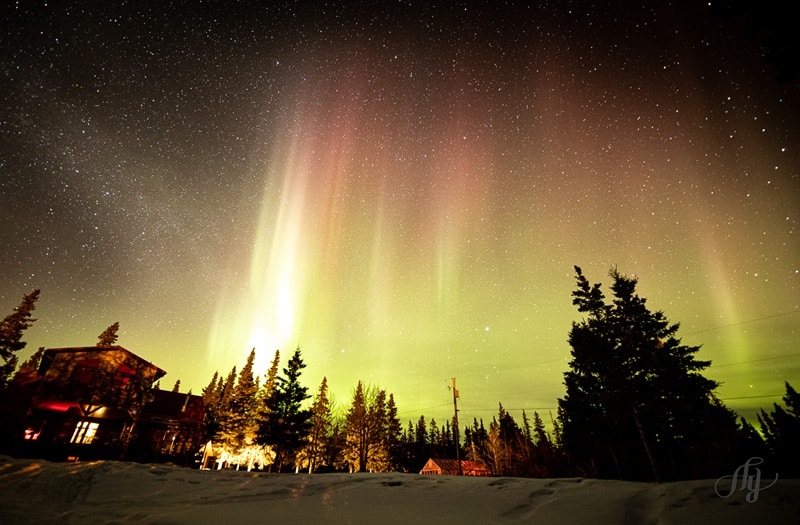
(11, 330)
(394, 430)
(32, 363)
(315, 451)
(286, 424)
(109, 335)
(237, 421)
(781, 429)
(212, 395)
(636, 405)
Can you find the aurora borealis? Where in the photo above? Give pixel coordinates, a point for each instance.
(402, 190)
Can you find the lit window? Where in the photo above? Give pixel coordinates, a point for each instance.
(31, 434)
(84, 433)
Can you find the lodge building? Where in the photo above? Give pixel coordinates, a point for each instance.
(98, 402)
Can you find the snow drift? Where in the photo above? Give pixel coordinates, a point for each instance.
(36, 491)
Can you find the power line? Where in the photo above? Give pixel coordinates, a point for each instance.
(419, 410)
(756, 360)
(749, 397)
(773, 316)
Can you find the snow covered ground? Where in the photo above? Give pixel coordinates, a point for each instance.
(36, 491)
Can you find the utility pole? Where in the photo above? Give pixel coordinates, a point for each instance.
(455, 427)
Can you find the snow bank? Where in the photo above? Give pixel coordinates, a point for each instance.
(36, 491)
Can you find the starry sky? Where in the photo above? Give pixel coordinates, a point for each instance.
(402, 188)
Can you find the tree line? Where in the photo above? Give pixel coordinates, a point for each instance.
(637, 407)
(255, 424)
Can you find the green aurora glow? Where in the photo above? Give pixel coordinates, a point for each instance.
(406, 206)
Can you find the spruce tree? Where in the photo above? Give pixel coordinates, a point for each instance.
(356, 432)
(372, 430)
(222, 412)
(495, 449)
(238, 422)
(512, 440)
(335, 445)
(32, 363)
(394, 430)
(109, 336)
(11, 330)
(285, 422)
(434, 438)
(272, 376)
(407, 459)
(319, 434)
(211, 397)
(422, 450)
(476, 450)
(378, 459)
(637, 406)
(781, 429)
(543, 447)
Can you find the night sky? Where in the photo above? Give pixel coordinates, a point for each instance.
(401, 189)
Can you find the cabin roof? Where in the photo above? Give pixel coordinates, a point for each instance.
(50, 353)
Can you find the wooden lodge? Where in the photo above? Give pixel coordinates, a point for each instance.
(438, 467)
(98, 402)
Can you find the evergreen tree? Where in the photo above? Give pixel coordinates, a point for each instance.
(544, 456)
(227, 390)
(319, 434)
(636, 405)
(11, 330)
(109, 335)
(238, 421)
(529, 457)
(23, 386)
(334, 450)
(28, 371)
(267, 390)
(285, 423)
(32, 363)
(221, 412)
(211, 397)
(354, 454)
(177, 387)
(408, 460)
(539, 432)
(781, 429)
(371, 430)
(379, 458)
(210, 393)
(359, 438)
(511, 439)
(434, 438)
(526, 427)
(495, 449)
(272, 376)
(476, 449)
(422, 447)
(753, 444)
(394, 432)
(557, 433)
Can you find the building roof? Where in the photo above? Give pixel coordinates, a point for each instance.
(468, 468)
(49, 355)
(174, 406)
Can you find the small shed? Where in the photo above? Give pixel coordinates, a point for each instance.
(438, 467)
